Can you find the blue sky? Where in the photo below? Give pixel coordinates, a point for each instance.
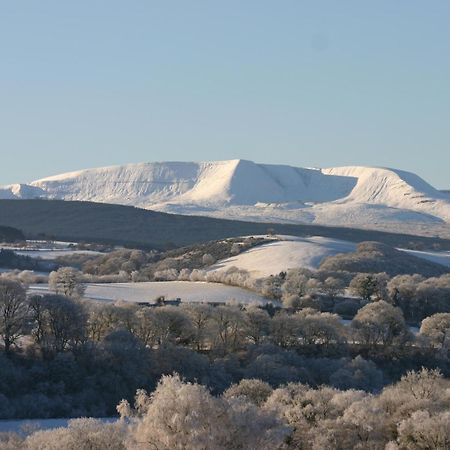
(316, 83)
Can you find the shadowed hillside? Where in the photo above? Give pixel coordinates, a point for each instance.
(9, 234)
(126, 225)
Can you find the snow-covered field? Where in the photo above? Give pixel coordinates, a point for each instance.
(26, 425)
(51, 254)
(147, 292)
(290, 252)
(48, 250)
(286, 253)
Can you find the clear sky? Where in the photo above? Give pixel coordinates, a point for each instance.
(314, 83)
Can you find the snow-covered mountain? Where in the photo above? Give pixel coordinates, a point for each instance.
(357, 196)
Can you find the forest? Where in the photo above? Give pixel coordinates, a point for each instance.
(338, 359)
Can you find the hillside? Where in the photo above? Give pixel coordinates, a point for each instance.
(239, 189)
(75, 221)
(287, 252)
(374, 257)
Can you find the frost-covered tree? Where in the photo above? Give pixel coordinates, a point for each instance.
(422, 390)
(437, 329)
(419, 297)
(13, 312)
(333, 287)
(364, 285)
(80, 434)
(180, 415)
(208, 259)
(402, 289)
(102, 320)
(305, 409)
(285, 329)
(296, 283)
(292, 301)
(357, 373)
(379, 323)
(423, 431)
(67, 281)
(256, 324)
(166, 324)
(235, 249)
(320, 328)
(255, 391)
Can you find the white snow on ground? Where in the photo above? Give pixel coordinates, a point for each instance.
(53, 254)
(47, 250)
(436, 257)
(147, 292)
(348, 196)
(287, 252)
(25, 425)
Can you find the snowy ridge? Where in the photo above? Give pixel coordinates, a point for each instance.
(357, 196)
(236, 182)
(395, 188)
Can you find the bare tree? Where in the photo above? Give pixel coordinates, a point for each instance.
(59, 322)
(13, 312)
(200, 317)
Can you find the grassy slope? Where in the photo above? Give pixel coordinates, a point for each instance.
(99, 222)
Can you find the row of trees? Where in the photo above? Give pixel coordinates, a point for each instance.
(325, 289)
(58, 322)
(412, 414)
(418, 297)
(147, 265)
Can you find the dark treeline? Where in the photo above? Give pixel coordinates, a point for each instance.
(11, 260)
(10, 234)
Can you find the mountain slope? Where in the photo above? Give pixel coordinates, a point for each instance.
(220, 183)
(100, 222)
(349, 196)
(394, 188)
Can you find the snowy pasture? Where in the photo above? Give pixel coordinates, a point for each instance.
(187, 291)
(51, 254)
(48, 250)
(287, 252)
